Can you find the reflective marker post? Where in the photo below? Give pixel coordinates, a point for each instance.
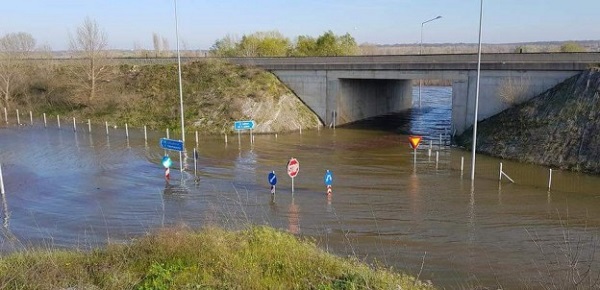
(328, 179)
(195, 162)
(272, 181)
(166, 162)
(1, 181)
(550, 179)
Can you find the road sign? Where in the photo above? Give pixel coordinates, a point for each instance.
(244, 125)
(272, 178)
(414, 141)
(293, 167)
(328, 178)
(170, 144)
(166, 161)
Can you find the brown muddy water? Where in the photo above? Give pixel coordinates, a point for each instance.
(81, 190)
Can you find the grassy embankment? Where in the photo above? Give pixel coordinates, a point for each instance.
(215, 94)
(255, 258)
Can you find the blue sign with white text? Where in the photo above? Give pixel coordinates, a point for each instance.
(272, 178)
(328, 178)
(244, 125)
(170, 144)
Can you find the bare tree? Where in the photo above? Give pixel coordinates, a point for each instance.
(165, 45)
(156, 40)
(90, 43)
(14, 48)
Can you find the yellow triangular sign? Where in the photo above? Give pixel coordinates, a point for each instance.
(414, 141)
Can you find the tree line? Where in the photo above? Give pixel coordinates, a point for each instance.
(275, 44)
(20, 78)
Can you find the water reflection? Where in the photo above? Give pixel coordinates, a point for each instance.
(293, 218)
(415, 196)
(5, 212)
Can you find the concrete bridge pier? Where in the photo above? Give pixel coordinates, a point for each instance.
(498, 90)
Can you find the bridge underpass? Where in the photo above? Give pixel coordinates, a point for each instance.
(348, 89)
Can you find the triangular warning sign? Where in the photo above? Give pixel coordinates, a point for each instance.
(414, 141)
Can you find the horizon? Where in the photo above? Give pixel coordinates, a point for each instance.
(380, 22)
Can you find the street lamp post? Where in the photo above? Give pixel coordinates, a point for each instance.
(180, 88)
(179, 71)
(476, 96)
(421, 51)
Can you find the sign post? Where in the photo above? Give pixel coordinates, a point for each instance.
(175, 145)
(244, 125)
(328, 179)
(293, 167)
(166, 162)
(272, 181)
(195, 163)
(414, 143)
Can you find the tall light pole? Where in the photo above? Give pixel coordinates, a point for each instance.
(476, 95)
(179, 71)
(421, 51)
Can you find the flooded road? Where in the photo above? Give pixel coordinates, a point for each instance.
(81, 190)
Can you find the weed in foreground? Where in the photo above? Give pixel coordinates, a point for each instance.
(213, 258)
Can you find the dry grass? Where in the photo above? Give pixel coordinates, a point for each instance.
(178, 258)
(514, 91)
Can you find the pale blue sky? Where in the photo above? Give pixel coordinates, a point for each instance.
(201, 22)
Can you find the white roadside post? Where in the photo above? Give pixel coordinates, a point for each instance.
(1, 181)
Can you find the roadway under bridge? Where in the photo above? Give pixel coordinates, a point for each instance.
(348, 89)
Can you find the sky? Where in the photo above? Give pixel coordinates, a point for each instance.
(131, 23)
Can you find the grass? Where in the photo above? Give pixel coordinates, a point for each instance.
(257, 257)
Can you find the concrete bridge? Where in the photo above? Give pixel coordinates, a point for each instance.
(348, 89)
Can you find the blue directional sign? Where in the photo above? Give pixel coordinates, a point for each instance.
(170, 144)
(166, 161)
(272, 178)
(244, 125)
(328, 178)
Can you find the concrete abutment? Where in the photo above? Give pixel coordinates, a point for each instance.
(352, 95)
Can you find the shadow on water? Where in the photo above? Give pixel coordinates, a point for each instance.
(433, 118)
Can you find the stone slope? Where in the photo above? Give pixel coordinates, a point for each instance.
(559, 128)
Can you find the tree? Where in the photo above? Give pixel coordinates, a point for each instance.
(571, 47)
(14, 48)
(165, 45)
(347, 44)
(90, 44)
(273, 43)
(224, 47)
(156, 41)
(305, 46)
(327, 44)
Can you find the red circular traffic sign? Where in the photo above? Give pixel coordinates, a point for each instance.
(293, 167)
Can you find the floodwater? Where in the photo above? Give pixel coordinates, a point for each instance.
(81, 190)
